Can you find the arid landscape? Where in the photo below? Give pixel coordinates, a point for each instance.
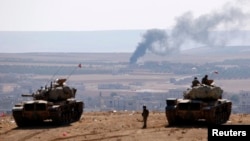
(112, 126)
(86, 70)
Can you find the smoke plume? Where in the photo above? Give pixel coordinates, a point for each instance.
(201, 30)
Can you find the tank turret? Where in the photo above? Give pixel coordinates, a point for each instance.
(57, 91)
(203, 92)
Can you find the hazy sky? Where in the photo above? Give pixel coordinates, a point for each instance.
(82, 15)
(110, 17)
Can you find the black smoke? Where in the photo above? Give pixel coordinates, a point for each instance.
(201, 30)
(151, 39)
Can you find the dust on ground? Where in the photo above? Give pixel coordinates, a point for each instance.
(111, 126)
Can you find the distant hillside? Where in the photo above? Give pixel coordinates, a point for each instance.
(233, 50)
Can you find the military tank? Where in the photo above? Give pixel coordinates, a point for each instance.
(200, 103)
(56, 103)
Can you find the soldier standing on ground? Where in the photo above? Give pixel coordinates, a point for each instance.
(145, 114)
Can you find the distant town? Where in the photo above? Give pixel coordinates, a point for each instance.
(108, 85)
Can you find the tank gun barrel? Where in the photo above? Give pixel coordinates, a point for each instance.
(27, 95)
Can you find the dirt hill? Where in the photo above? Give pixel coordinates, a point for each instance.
(112, 126)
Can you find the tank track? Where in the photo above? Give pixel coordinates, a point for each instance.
(68, 113)
(219, 114)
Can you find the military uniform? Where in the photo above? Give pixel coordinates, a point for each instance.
(145, 114)
(195, 82)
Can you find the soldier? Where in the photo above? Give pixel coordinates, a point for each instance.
(206, 81)
(195, 82)
(145, 114)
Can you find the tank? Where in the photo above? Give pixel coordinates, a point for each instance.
(200, 103)
(56, 104)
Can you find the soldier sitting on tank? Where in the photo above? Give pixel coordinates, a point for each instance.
(195, 82)
(206, 81)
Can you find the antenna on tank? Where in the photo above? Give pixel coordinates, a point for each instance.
(79, 66)
(55, 73)
(52, 77)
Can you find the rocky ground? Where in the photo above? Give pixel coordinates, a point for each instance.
(111, 126)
